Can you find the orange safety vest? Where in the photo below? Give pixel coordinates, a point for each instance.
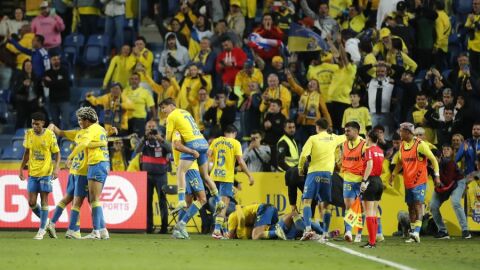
(352, 160)
(414, 169)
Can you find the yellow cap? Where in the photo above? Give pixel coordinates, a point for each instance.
(235, 3)
(384, 32)
(277, 59)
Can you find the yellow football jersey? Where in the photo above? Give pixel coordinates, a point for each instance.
(242, 221)
(224, 152)
(321, 148)
(183, 122)
(176, 153)
(95, 133)
(79, 162)
(40, 147)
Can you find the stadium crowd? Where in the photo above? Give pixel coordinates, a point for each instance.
(229, 63)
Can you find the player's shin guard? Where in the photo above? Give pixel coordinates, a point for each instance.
(97, 215)
(307, 217)
(270, 234)
(218, 223)
(181, 214)
(43, 217)
(317, 227)
(372, 230)
(36, 210)
(327, 216)
(379, 226)
(216, 197)
(298, 223)
(181, 194)
(192, 210)
(74, 219)
(58, 212)
(418, 226)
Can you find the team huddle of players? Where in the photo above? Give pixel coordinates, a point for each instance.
(361, 167)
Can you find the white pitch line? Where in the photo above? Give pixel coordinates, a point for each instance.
(368, 257)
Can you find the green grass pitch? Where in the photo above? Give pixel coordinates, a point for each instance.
(139, 251)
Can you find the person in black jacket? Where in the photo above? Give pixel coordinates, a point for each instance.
(57, 81)
(28, 95)
(446, 127)
(154, 149)
(226, 112)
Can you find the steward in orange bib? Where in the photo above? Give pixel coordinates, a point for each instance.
(412, 158)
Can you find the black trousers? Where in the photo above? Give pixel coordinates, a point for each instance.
(294, 182)
(336, 110)
(156, 182)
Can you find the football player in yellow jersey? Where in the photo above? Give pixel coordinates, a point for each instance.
(194, 187)
(98, 166)
(224, 151)
(256, 221)
(40, 144)
(77, 186)
(183, 122)
(321, 148)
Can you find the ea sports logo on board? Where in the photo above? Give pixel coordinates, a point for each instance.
(119, 199)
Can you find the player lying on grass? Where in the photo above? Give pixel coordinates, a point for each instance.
(98, 166)
(40, 144)
(194, 188)
(293, 226)
(183, 122)
(77, 186)
(256, 221)
(224, 151)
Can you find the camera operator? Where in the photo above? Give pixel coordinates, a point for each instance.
(153, 159)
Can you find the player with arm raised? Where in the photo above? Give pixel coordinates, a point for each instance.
(98, 166)
(412, 158)
(77, 185)
(224, 151)
(183, 122)
(321, 148)
(40, 144)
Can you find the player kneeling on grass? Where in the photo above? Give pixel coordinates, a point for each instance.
(372, 187)
(98, 166)
(77, 186)
(40, 144)
(194, 187)
(256, 221)
(224, 151)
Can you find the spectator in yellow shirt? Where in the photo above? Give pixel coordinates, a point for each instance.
(396, 56)
(443, 28)
(117, 107)
(118, 159)
(143, 101)
(323, 73)
(120, 67)
(276, 91)
(200, 106)
(168, 88)
(356, 18)
(142, 59)
(193, 81)
(26, 42)
(473, 26)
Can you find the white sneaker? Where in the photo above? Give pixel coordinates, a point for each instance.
(51, 230)
(348, 236)
(104, 234)
(40, 234)
(71, 234)
(358, 238)
(180, 228)
(95, 234)
(177, 235)
(415, 236)
(380, 237)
